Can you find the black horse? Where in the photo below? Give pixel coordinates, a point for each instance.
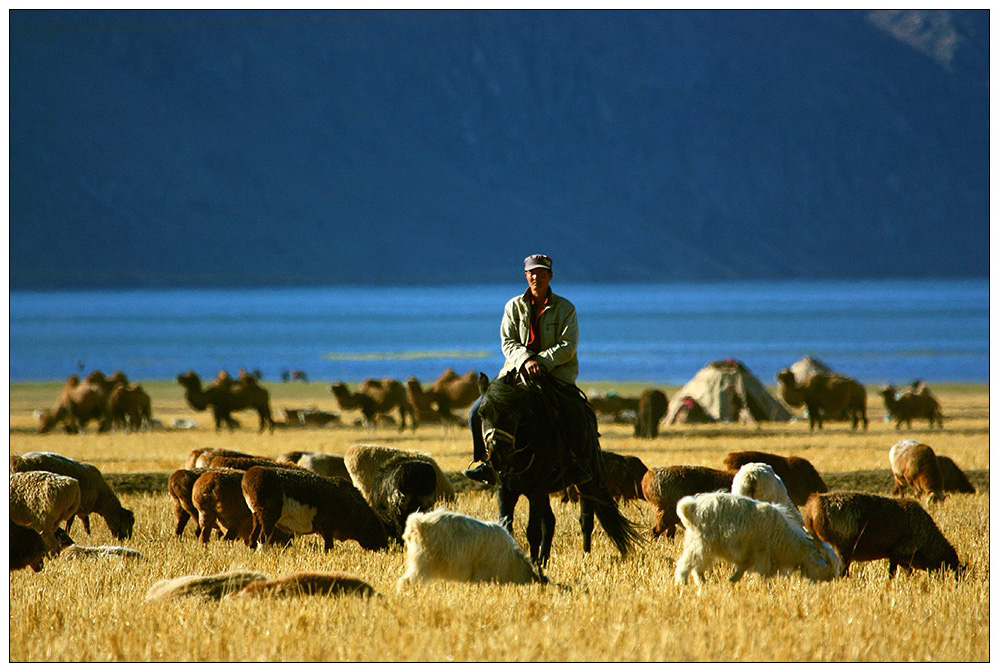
(541, 437)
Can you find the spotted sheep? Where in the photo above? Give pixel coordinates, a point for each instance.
(301, 502)
(219, 504)
(200, 457)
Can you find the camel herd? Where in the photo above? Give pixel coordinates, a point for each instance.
(114, 403)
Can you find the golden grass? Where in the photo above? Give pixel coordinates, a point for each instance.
(599, 607)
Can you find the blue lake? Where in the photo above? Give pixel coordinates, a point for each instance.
(876, 331)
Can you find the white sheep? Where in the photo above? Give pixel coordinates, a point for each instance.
(752, 535)
(99, 552)
(446, 545)
(42, 501)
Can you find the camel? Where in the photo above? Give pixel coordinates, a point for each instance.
(226, 396)
(917, 403)
(374, 397)
(825, 394)
(77, 404)
(651, 407)
(129, 406)
(452, 392)
(422, 405)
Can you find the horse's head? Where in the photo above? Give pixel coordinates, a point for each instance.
(504, 405)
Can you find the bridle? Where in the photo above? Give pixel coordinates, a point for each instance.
(494, 435)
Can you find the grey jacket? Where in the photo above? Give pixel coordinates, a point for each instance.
(558, 337)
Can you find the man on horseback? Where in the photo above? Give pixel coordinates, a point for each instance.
(539, 339)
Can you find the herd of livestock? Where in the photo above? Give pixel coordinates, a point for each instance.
(760, 512)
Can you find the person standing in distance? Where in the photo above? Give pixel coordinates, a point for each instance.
(539, 335)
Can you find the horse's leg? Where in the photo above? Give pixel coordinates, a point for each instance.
(548, 521)
(587, 520)
(507, 507)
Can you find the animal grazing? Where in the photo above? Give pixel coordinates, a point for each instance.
(613, 406)
(452, 392)
(95, 494)
(129, 407)
(26, 548)
(365, 463)
(302, 502)
(866, 527)
(179, 487)
(77, 404)
(914, 465)
(664, 487)
(797, 474)
(652, 406)
(752, 535)
(913, 404)
(445, 545)
(219, 504)
(825, 395)
(521, 422)
(226, 396)
(375, 397)
(206, 587)
(329, 465)
(42, 501)
(953, 479)
(245, 463)
(624, 474)
(307, 584)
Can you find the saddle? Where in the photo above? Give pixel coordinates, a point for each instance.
(577, 439)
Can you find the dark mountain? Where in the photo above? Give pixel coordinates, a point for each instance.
(197, 148)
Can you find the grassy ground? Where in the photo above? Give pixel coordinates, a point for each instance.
(599, 608)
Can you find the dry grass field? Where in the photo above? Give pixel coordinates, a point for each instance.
(597, 607)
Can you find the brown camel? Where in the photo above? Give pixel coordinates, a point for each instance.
(77, 404)
(918, 403)
(452, 392)
(129, 406)
(226, 396)
(825, 395)
(375, 397)
(423, 406)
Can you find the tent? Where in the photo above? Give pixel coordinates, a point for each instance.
(806, 367)
(725, 391)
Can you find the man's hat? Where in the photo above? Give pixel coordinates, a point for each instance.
(539, 261)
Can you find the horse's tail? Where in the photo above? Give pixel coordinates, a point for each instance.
(621, 531)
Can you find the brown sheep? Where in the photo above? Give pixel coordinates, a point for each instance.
(200, 457)
(797, 474)
(953, 479)
(245, 463)
(179, 486)
(912, 405)
(422, 405)
(375, 397)
(219, 504)
(225, 397)
(95, 494)
(663, 487)
(308, 584)
(914, 465)
(77, 404)
(651, 407)
(624, 475)
(303, 502)
(825, 395)
(26, 548)
(453, 392)
(130, 407)
(865, 527)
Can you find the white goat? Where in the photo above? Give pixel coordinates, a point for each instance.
(445, 545)
(752, 535)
